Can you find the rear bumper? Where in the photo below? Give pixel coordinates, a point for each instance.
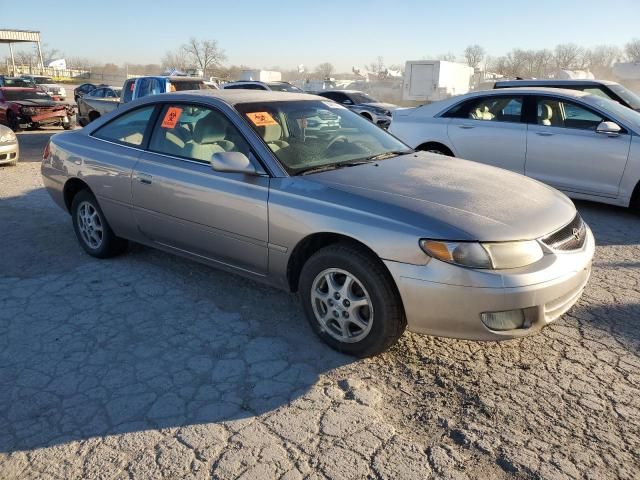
(9, 153)
(440, 301)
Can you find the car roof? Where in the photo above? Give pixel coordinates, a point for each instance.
(548, 81)
(233, 97)
(531, 90)
(341, 91)
(20, 89)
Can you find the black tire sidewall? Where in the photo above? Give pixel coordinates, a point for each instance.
(111, 245)
(388, 318)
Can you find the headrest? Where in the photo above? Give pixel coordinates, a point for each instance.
(271, 133)
(209, 129)
(546, 113)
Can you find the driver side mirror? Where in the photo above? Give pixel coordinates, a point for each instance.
(232, 162)
(609, 128)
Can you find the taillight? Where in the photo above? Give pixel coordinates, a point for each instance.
(47, 150)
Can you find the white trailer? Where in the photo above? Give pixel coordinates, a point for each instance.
(432, 80)
(260, 76)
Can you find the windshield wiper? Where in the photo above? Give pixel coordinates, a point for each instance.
(334, 166)
(385, 155)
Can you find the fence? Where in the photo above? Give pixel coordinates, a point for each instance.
(67, 73)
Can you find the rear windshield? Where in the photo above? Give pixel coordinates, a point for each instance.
(283, 87)
(188, 85)
(25, 95)
(43, 80)
(17, 82)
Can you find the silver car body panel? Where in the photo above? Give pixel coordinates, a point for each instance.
(252, 224)
(581, 163)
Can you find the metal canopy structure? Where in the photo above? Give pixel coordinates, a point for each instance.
(20, 36)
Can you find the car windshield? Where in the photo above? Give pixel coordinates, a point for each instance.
(283, 87)
(43, 80)
(314, 135)
(627, 95)
(17, 82)
(359, 97)
(625, 114)
(25, 95)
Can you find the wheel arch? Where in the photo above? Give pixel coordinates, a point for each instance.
(316, 241)
(71, 189)
(425, 146)
(635, 197)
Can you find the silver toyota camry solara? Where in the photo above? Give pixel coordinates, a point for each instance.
(299, 192)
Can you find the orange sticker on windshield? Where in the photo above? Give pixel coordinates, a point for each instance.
(261, 119)
(171, 117)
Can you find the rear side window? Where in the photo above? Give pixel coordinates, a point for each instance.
(491, 109)
(128, 128)
(148, 86)
(129, 87)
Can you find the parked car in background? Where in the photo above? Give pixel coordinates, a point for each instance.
(32, 108)
(9, 148)
(6, 81)
(603, 88)
(85, 88)
(583, 144)
(48, 85)
(89, 110)
(135, 88)
(367, 106)
(232, 179)
(256, 85)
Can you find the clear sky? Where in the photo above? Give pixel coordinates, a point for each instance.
(345, 33)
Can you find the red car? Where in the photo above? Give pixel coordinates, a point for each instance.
(31, 108)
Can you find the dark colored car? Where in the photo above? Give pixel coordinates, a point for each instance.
(367, 106)
(31, 108)
(85, 88)
(603, 88)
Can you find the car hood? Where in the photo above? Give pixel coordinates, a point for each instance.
(450, 198)
(386, 106)
(35, 103)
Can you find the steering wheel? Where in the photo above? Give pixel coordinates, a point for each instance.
(339, 138)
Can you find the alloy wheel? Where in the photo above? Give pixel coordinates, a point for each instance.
(342, 305)
(90, 225)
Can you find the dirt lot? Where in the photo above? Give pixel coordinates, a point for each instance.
(151, 366)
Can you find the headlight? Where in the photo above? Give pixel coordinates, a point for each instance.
(28, 111)
(484, 255)
(8, 137)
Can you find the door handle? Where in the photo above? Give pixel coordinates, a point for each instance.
(544, 134)
(466, 127)
(144, 178)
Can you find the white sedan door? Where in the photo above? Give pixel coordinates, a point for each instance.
(564, 150)
(490, 130)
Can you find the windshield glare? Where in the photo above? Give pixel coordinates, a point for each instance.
(312, 134)
(627, 95)
(362, 98)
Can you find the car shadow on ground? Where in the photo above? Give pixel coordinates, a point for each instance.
(611, 225)
(144, 341)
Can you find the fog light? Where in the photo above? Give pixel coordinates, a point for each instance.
(509, 320)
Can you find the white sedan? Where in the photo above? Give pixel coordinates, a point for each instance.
(583, 144)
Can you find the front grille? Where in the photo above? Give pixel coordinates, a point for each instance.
(570, 237)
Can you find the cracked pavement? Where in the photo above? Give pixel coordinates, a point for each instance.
(152, 366)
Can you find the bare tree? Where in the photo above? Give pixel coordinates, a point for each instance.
(325, 69)
(447, 57)
(176, 59)
(204, 54)
(601, 58)
(569, 56)
(474, 54)
(632, 50)
(80, 63)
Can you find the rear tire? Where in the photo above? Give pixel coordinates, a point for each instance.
(351, 301)
(436, 148)
(92, 229)
(12, 121)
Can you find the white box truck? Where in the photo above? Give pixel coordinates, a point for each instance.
(433, 80)
(260, 76)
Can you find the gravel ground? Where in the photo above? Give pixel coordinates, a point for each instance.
(152, 366)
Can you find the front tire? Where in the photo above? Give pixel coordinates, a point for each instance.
(12, 121)
(91, 227)
(350, 301)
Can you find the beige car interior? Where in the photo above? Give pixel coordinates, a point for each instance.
(545, 114)
(482, 113)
